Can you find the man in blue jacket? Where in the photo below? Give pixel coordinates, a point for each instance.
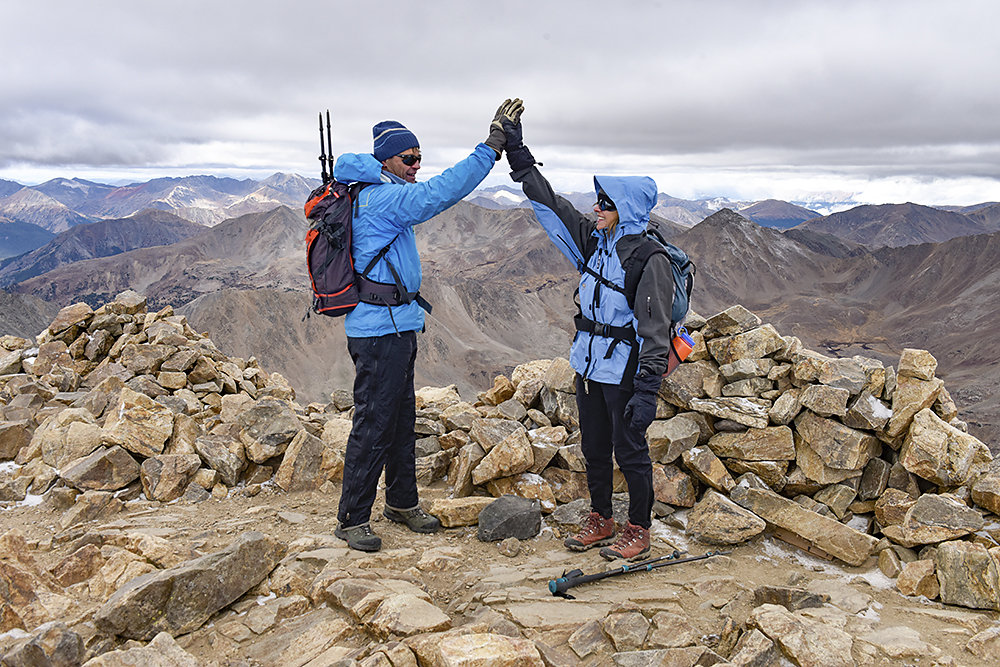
(382, 330)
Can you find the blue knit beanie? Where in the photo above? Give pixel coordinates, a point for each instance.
(392, 138)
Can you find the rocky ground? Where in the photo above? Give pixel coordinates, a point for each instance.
(164, 504)
(500, 589)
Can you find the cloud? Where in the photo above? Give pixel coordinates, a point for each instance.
(849, 91)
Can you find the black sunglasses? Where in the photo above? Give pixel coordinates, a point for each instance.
(409, 160)
(604, 203)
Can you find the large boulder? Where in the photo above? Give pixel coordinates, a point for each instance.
(773, 443)
(837, 539)
(165, 477)
(718, 520)
(839, 446)
(105, 469)
(934, 518)
(180, 599)
(808, 642)
(986, 490)
(267, 428)
(968, 575)
(139, 424)
(940, 453)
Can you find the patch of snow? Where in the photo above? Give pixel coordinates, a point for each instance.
(873, 577)
(671, 536)
(879, 409)
(859, 523)
(31, 500)
(779, 550)
(8, 466)
(877, 579)
(16, 633)
(503, 195)
(870, 614)
(264, 599)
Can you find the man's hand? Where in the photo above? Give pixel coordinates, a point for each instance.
(510, 111)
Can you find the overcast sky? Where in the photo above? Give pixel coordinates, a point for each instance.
(887, 101)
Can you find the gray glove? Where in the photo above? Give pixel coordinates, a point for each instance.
(511, 111)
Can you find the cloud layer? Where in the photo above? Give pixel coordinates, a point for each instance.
(889, 99)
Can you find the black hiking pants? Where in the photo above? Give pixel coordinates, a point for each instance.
(382, 435)
(604, 431)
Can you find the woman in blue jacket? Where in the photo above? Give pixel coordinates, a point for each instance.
(619, 352)
(382, 329)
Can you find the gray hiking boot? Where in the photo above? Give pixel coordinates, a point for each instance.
(415, 519)
(359, 537)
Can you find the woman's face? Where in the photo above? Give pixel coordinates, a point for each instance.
(607, 213)
(606, 219)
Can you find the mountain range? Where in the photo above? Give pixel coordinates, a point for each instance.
(31, 215)
(502, 293)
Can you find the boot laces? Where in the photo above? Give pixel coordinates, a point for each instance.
(593, 525)
(631, 534)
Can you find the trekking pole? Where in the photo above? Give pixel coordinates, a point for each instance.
(558, 587)
(577, 577)
(329, 143)
(322, 151)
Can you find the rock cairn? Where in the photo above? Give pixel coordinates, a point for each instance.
(846, 458)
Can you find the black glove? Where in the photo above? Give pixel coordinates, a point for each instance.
(510, 111)
(518, 155)
(641, 408)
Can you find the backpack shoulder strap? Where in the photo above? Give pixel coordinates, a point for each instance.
(636, 262)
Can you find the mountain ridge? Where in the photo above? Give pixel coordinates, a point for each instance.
(99, 239)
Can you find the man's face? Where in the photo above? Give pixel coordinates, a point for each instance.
(397, 165)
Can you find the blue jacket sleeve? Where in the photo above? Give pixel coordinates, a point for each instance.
(414, 203)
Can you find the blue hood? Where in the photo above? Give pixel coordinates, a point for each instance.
(634, 197)
(358, 167)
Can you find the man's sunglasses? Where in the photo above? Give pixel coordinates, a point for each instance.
(409, 160)
(604, 203)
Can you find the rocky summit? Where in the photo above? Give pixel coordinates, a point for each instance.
(162, 503)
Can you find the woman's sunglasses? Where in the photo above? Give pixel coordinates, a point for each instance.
(409, 160)
(604, 203)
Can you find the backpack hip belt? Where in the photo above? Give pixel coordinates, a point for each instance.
(626, 333)
(387, 294)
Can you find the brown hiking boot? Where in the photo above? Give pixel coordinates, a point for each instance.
(632, 545)
(596, 532)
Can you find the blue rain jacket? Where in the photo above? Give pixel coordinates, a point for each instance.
(389, 210)
(634, 197)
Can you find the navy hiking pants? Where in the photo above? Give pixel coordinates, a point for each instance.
(604, 431)
(382, 433)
